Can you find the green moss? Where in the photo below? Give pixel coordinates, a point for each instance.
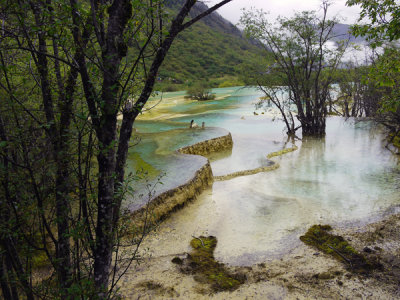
(396, 142)
(319, 237)
(281, 152)
(247, 172)
(333, 113)
(325, 276)
(207, 270)
(139, 164)
(157, 289)
(150, 285)
(40, 260)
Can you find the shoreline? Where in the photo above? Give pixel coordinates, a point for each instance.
(302, 273)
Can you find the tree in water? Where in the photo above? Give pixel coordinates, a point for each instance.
(382, 30)
(200, 91)
(302, 65)
(355, 97)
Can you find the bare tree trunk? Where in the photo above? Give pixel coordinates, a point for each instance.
(60, 152)
(4, 280)
(113, 52)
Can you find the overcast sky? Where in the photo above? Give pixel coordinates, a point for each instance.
(232, 10)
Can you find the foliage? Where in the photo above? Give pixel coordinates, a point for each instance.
(254, 71)
(384, 73)
(200, 91)
(356, 97)
(302, 63)
(396, 143)
(169, 87)
(230, 83)
(383, 18)
(203, 52)
(220, 82)
(383, 27)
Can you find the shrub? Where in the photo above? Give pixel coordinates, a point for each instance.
(200, 91)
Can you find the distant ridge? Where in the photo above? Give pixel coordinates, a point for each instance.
(211, 48)
(343, 31)
(214, 20)
(214, 48)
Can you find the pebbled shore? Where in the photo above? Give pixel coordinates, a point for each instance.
(304, 273)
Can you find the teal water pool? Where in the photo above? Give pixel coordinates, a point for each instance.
(348, 177)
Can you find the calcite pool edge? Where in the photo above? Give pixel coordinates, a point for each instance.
(162, 205)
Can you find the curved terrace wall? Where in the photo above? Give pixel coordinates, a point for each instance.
(163, 204)
(209, 146)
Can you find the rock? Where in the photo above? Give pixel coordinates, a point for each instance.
(368, 250)
(177, 260)
(262, 265)
(325, 276)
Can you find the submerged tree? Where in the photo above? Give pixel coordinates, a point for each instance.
(304, 65)
(200, 91)
(355, 97)
(68, 69)
(381, 30)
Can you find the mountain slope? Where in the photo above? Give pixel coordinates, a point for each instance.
(211, 48)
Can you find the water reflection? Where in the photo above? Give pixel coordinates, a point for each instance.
(343, 177)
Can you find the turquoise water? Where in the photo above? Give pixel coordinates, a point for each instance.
(155, 142)
(154, 157)
(346, 178)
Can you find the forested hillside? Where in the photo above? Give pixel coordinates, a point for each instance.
(211, 50)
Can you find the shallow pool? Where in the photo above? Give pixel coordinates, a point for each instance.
(347, 177)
